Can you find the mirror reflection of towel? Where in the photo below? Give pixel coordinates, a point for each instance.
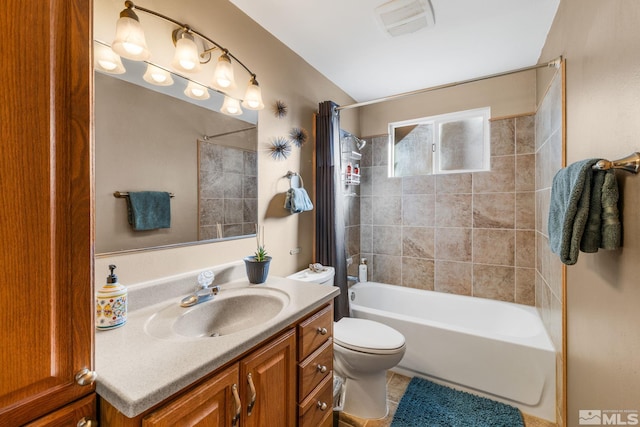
(149, 210)
(297, 200)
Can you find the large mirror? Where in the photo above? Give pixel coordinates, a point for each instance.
(147, 139)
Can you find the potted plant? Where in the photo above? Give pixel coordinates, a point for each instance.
(257, 265)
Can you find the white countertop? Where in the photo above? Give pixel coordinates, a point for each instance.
(137, 371)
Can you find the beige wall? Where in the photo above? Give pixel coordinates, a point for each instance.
(282, 75)
(514, 94)
(600, 43)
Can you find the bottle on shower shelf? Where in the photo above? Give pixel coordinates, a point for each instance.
(362, 270)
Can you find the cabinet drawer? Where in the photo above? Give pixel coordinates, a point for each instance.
(314, 368)
(314, 331)
(315, 409)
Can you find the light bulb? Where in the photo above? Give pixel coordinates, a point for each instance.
(157, 76)
(231, 106)
(186, 56)
(196, 91)
(253, 96)
(223, 74)
(129, 41)
(107, 60)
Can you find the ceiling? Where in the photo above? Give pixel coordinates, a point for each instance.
(344, 41)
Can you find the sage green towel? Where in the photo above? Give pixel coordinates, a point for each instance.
(149, 210)
(611, 228)
(583, 213)
(569, 209)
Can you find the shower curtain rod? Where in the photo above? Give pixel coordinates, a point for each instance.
(551, 64)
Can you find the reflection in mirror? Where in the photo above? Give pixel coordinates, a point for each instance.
(448, 143)
(146, 139)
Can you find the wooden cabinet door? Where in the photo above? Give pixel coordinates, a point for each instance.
(211, 404)
(271, 372)
(46, 224)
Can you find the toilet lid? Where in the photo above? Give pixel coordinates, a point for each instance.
(366, 336)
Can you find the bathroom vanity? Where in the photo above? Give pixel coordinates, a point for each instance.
(277, 370)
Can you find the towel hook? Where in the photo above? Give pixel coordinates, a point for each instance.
(631, 163)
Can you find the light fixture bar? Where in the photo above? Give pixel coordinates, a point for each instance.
(188, 29)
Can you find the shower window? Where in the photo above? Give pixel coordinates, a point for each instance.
(448, 143)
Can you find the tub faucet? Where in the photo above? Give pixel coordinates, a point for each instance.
(353, 279)
(203, 291)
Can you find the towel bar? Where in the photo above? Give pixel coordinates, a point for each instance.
(123, 194)
(631, 163)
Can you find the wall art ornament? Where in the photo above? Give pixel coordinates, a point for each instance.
(280, 148)
(280, 109)
(298, 136)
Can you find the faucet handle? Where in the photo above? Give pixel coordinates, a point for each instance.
(205, 279)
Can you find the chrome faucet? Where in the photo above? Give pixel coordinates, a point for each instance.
(353, 279)
(203, 291)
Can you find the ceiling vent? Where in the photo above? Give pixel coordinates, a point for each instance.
(399, 17)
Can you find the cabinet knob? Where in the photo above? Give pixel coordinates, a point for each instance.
(321, 368)
(322, 331)
(322, 406)
(86, 377)
(87, 422)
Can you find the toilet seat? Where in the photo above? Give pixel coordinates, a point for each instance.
(367, 336)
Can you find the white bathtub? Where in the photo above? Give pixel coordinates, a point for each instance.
(492, 348)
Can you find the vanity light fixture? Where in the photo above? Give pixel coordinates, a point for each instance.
(231, 106)
(196, 91)
(186, 58)
(130, 43)
(157, 76)
(107, 60)
(253, 96)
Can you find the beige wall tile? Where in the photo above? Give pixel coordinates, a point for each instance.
(500, 179)
(460, 183)
(418, 210)
(453, 210)
(526, 248)
(525, 172)
(387, 269)
(453, 277)
(495, 247)
(526, 210)
(494, 210)
(418, 273)
(503, 137)
(453, 244)
(418, 242)
(526, 286)
(495, 282)
(525, 134)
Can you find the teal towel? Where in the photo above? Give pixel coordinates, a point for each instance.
(611, 228)
(297, 200)
(149, 210)
(583, 213)
(569, 209)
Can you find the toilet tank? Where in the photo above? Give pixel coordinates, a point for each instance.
(323, 277)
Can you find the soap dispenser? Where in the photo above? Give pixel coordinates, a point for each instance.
(362, 270)
(111, 303)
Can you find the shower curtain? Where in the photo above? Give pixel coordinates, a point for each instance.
(330, 238)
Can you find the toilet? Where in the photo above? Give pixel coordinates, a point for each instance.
(363, 350)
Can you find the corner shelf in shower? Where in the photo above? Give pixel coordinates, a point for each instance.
(351, 178)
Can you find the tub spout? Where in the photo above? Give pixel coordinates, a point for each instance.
(353, 279)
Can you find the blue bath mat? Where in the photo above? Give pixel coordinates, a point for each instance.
(432, 405)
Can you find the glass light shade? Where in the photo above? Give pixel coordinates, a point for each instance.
(130, 42)
(186, 57)
(157, 76)
(196, 91)
(253, 96)
(107, 60)
(231, 106)
(223, 74)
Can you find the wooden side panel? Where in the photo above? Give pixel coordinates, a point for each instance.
(46, 215)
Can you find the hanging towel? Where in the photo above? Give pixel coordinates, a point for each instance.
(583, 211)
(611, 228)
(569, 209)
(297, 200)
(149, 210)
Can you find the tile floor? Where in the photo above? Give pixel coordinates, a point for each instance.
(396, 385)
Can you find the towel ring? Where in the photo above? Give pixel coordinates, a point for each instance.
(290, 175)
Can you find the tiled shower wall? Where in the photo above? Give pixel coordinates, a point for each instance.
(227, 191)
(549, 294)
(469, 234)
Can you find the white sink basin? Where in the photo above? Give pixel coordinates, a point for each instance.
(231, 311)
